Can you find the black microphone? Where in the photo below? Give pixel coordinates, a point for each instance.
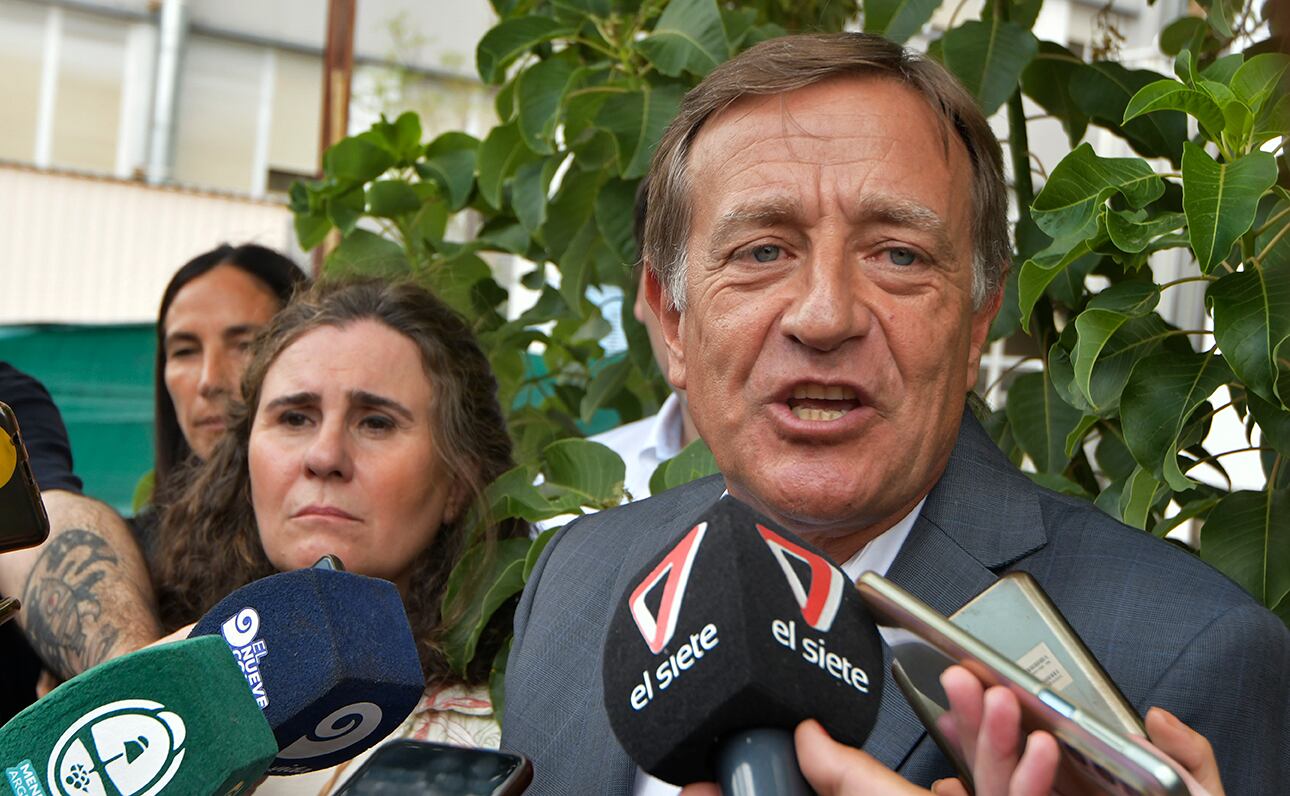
(725, 643)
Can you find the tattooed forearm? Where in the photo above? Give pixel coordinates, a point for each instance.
(86, 592)
(63, 606)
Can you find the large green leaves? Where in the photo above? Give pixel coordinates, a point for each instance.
(1081, 183)
(538, 93)
(1158, 401)
(989, 57)
(1103, 90)
(1247, 537)
(1252, 325)
(1170, 95)
(480, 583)
(1106, 314)
(689, 37)
(1041, 421)
(584, 473)
(1047, 80)
(1220, 199)
(897, 19)
(510, 39)
(637, 120)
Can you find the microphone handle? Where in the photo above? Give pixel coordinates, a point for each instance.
(760, 762)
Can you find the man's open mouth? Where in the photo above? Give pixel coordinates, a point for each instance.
(822, 402)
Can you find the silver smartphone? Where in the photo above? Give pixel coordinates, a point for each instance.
(1097, 756)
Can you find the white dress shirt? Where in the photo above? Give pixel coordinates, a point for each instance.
(876, 556)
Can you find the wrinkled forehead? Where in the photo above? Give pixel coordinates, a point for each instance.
(848, 144)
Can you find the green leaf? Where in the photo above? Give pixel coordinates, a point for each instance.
(1274, 423)
(1138, 496)
(1133, 232)
(1080, 431)
(587, 470)
(1170, 95)
(1184, 33)
(1272, 122)
(143, 490)
(1106, 364)
(535, 551)
(1252, 324)
(1047, 81)
(570, 210)
(688, 37)
(695, 461)
(450, 161)
(529, 190)
(1247, 538)
(636, 119)
(476, 588)
(1080, 185)
(989, 57)
(1157, 402)
(1100, 321)
(1039, 271)
(345, 208)
(1041, 421)
(1103, 90)
(390, 198)
(500, 156)
(897, 20)
(604, 385)
(1220, 199)
(1190, 510)
(497, 679)
(1258, 78)
(1060, 484)
(616, 218)
(1221, 17)
(356, 160)
(311, 229)
(512, 38)
(1223, 69)
(538, 92)
(364, 253)
(512, 494)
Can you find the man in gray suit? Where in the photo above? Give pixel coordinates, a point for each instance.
(827, 238)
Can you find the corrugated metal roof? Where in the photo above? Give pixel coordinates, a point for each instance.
(87, 249)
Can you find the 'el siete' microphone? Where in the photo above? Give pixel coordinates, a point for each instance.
(725, 643)
(171, 719)
(328, 655)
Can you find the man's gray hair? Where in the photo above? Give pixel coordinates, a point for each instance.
(788, 63)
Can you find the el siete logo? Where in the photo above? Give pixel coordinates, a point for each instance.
(820, 599)
(675, 567)
(136, 745)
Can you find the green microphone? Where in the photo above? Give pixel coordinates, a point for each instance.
(177, 718)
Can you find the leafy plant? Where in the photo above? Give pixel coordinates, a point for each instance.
(1124, 400)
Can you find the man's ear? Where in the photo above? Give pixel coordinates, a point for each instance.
(669, 321)
(982, 319)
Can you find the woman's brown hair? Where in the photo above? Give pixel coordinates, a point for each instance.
(208, 542)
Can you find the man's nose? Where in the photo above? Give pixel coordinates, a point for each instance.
(328, 454)
(827, 307)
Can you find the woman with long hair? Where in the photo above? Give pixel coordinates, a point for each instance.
(369, 428)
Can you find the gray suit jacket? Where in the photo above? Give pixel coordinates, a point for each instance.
(1169, 630)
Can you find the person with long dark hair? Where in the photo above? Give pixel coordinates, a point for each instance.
(210, 312)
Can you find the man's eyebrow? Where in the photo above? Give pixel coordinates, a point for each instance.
(760, 213)
(907, 213)
(375, 401)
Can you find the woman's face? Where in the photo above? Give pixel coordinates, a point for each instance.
(209, 327)
(342, 453)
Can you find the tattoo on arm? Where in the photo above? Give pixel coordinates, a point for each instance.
(65, 621)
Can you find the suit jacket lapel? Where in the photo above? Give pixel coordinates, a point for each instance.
(981, 516)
